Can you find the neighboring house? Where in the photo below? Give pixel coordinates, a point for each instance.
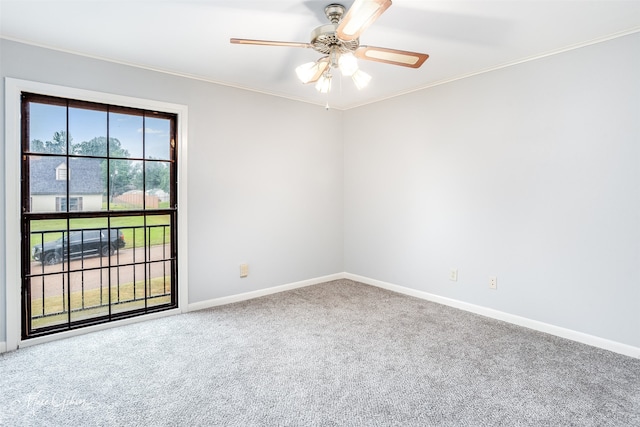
(48, 184)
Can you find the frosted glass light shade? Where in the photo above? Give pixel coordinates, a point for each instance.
(310, 72)
(324, 83)
(361, 79)
(348, 64)
(306, 71)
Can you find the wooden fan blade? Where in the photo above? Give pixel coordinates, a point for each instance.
(391, 56)
(269, 43)
(361, 14)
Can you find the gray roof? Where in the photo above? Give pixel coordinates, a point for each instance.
(85, 176)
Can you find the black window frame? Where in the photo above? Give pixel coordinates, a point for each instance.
(27, 216)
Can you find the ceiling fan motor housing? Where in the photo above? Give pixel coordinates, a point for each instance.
(324, 38)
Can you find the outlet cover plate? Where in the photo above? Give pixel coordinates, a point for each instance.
(244, 270)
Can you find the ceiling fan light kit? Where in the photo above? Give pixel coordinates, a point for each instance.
(323, 85)
(339, 41)
(348, 64)
(361, 79)
(311, 71)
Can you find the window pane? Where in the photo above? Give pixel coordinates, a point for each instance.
(45, 189)
(88, 132)
(158, 237)
(157, 179)
(160, 273)
(49, 304)
(125, 135)
(89, 294)
(127, 288)
(47, 128)
(159, 284)
(46, 242)
(125, 184)
(87, 184)
(48, 287)
(151, 241)
(88, 241)
(157, 142)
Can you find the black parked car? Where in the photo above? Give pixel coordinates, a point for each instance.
(82, 243)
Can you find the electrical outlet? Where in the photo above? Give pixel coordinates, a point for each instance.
(244, 270)
(493, 282)
(453, 275)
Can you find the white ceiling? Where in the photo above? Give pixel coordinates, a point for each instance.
(191, 37)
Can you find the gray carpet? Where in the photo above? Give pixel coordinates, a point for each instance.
(336, 354)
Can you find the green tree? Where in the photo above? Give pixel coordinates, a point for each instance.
(120, 172)
(98, 147)
(157, 176)
(137, 176)
(37, 146)
(58, 144)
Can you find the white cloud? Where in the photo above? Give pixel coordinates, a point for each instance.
(151, 131)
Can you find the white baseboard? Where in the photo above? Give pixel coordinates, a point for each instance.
(580, 337)
(262, 292)
(3, 346)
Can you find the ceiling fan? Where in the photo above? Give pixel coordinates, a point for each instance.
(339, 42)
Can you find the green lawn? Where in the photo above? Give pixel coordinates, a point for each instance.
(121, 206)
(157, 235)
(96, 302)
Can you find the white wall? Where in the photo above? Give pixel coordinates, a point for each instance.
(47, 203)
(263, 188)
(530, 173)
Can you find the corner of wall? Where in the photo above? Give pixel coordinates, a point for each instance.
(569, 334)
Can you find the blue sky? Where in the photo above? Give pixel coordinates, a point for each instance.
(85, 125)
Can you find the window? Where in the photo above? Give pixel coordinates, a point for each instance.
(75, 204)
(98, 242)
(61, 172)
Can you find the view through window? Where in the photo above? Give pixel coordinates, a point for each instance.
(99, 213)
